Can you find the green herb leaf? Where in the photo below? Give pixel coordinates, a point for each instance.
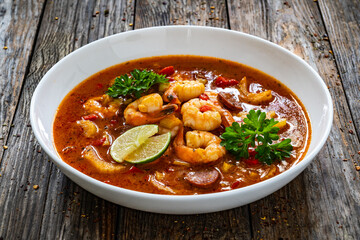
(259, 132)
(136, 84)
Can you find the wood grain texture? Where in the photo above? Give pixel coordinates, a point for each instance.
(59, 209)
(231, 224)
(322, 201)
(18, 25)
(342, 22)
(182, 12)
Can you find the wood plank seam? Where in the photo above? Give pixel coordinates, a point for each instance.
(27, 70)
(227, 14)
(357, 131)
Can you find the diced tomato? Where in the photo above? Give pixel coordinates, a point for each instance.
(220, 81)
(205, 108)
(90, 117)
(113, 121)
(252, 152)
(223, 82)
(99, 142)
(205, 97)
(134, 169)
(232, 82)
(235, 184)
(99, 85)
(252, 160)
(167, 71)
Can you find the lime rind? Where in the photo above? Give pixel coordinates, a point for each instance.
(131, 140)
(152, 149)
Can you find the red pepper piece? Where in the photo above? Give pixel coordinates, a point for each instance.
(90, 117)
(205, 108)
(235, 184)
(167, 71)
(134, 169)
(99, 142)
(113, 121)
(252, 160)
(223, 82)
(233, 82)
(220, 81)
(203, 96)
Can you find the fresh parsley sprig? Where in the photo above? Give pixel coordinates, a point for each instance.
(259, 132)
(134, 85)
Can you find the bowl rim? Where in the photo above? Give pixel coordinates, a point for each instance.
(132, 193)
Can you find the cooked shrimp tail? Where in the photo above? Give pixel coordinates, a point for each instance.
(226, 117)
(200, 148)
(148, 109)
(170, 96)
(168, 109)
(183, 91)
(165, 111)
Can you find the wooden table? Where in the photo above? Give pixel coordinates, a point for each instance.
(38, 202)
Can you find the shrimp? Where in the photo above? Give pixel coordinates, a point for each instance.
(201, 147)
(104, 106)
(200, 115)
(90, 129)
(253, 98)
(170, 124)
(148, 109)
(182, 91)
(226, 116)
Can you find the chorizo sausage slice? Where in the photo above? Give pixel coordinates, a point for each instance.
(230, 101)
(204, 178)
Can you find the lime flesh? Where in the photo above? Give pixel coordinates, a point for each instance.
(131, 140)
(151, 150)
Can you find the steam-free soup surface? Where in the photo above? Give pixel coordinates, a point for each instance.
(170, 174)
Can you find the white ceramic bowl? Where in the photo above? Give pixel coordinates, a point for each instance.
(203, 41)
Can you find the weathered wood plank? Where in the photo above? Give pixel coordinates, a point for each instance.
(342, 22)
(59, 208)
(183, 12)
(19, 22)
(324, 201)
(232, 224)
(18, 25)
(80, 214)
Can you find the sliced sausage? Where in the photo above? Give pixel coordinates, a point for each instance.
(230, 101)
(204, 178)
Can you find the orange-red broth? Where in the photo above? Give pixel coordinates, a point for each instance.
(286, 105)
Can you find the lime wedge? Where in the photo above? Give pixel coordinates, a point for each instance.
(151, 150)
(131, 140)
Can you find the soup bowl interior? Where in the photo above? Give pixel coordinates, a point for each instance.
(181, 40)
